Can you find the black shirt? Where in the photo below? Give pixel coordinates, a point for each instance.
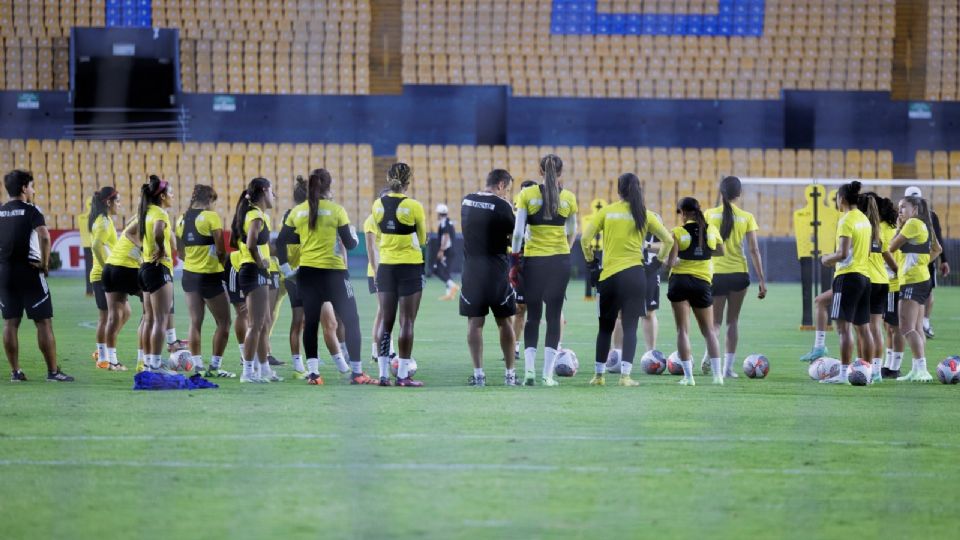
(935, 221)
(487, 225)
(446, 227)
(19, 243)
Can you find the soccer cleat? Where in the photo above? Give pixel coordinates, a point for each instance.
(917, 375)
(116, 367)
(219, 373)
(409, 382)
(300, 375)
(314, 379)
(451, 293)
(273, 377)
(361, 378)
(529, 378)
(877, 376)
(510, 380)
(718, 379)
(887, 373)
(253, 379)
(477, 380)
(836, 379)
(814, 353)
(59, 376)
(598, 380)
(103, 364)
(18, 376)
(141, 366)
(274, 361)
(626, 380)
(177, 345)
(548, 381)
(928, 331)
(687, 382)
(384, 381)
(731, 375)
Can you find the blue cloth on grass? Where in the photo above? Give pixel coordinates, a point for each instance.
(149, 380)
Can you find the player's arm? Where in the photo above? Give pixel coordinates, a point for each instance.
(159, 226)
(43, 236)
(593, 227)
(288, 235)
(219, 247)
(757, 262)
(665, 245)
(131, 232)
(674, 253)
(891, 261)
(99, 249)
(842, 252)
(373, 254)
(519, 229)
(253, 232)
(571, 229)
(936, 249)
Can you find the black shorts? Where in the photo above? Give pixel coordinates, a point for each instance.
(372, 285)
(918, 292)
(519, 290)
(891, 315)
(99, 294)
(293, 292)
(206, 285)
(687, 288)
(400, 279)
(724, 284)
(325, 285)
(878, 298)
(932, 267)
(653, 288)
(486, 288)
(24, 288)
(153, 276)
(120, 279)
(233, 290)
(274, 281)
(851, 298)
(624, 291)
(250, 278)
(545, 277)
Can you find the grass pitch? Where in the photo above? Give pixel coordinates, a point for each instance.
(781, 457)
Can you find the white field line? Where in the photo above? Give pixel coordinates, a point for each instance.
(464, 468)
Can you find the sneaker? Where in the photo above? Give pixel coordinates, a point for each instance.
(510, 380)
(384, 381)
(103, 364)
(928, 331)
(598, 380)
(141, 366)
(314, 379)
(273, 377)
(731, 375)
(219, 373)
(887, 373)
(59, 376)
(300, 375)
(718, 379)
(917, 375)
(274, 361)
(116, 367)
(626, 380)
(409, 382)
(477, 380)
(876, 377)
(177, 345)
(361, 378)
(814, 353)
(254, 379)
(549, 382)
(687, 382)
(837, 379)
(529, 378)
(18, 376)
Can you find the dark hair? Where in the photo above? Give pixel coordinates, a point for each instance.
(98, 204)
(150, 193)
(498, 175)
(689, 205)
(249, 197)
(923, 212)
(203, 194)
(318, 186)
(399, 176)
(300, 190)
(867, 203)
(527, 183)
(888, 211)
(551, 166)
(850, 193)
(628, 186)
(16, 180)
(730, 188)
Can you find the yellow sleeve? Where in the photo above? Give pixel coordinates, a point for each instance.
(713, 237)
(376, 211)
(421, 221)
(573, 204)
(523, 199)
(369, 226)
(844, 228)
(752, 224)
(656, 228)
(342, 217)
(289, 221)
(213, 222)
(179, 229)
(913, 229)
(592, 227)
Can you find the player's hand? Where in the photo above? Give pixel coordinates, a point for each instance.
(763, 291)
(594, 268)
(944, 269)
(264, 264)
(156, 257)
(515, 268)
(40, 267)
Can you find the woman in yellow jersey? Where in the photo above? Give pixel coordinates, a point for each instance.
(880, 258)
(119, 283)
(851, 282)
(250, 232)
(551, 213)
(200, 239)
(622, 281)
(103, 236)
(730, 276)
(237, 300)
(891, 315)
(919, 247)
(371, 233)
(399, 271)
(695, 243)
(156, 271)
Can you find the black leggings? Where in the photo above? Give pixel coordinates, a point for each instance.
(442, 269)
(545, 281)
(625, 291)
(319, 285)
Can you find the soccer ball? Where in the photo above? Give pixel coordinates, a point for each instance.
(756, 366)
(395, 365)
(948, 371)
(859, 373)
(566, 363)
(824, 368)
(613, 361)
(180, 361)
(674, 367)
(653, 362)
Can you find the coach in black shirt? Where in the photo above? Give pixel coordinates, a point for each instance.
(24, 259)
(487, 232)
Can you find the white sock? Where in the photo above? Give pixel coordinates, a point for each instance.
(102, 352)
(243, 356)
(510, 372)
(344, 351)
(450, 284)
(265, 370)
(215, 362)
(716, 366)
(516, 348)
(403, 368)
(549, 357)
(112, 355)
(843, 371)
(197, 361)
(819, 338)
(248, 369)
(383, 363)
(926, 322)
(313, 365)
(887, 358)
(626, 368)
(687, 368)
(171, 335)
(478, 372)
(921, 364)
(342, 366)
(895, 360)
(728, 359)
(155, 361)
(297, 362)
(140, 356)
(374, 350)
(356, 367)
(600, 368)
(530, 359)
(256, 365)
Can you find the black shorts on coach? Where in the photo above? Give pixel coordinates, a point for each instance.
(687, 288)
(653, 288)
(206, 285)
(121, 279)
(878, 298)
(99, 294)
(486, 288)
(851, 298)
(24, 288)
(724, 284)
(918, 292)
(250, 277)
(153, 276)
(624, 291)
(293, 292)
(400, 279)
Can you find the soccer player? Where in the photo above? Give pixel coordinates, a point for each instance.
(441, 265)
(120, 281)
(520, 319)
(237, 300)
(551, 213)
(250, 233)
(200, 237)
(891, 317)
(851, 282)
(919, 246)
(399, 271)
(24, 261)
(691, 274)
(371, 233)
(288, 255)
(103, 236)
(730, 276)
(943, 268)
(622, 277)
(318, 224)
(880, 258)
(487, 226)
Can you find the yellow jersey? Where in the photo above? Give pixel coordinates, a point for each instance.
(263, 240)
(622, 241)
(702, 268)
(856, 226)
(196, 230)
(887, 232)
(877, 266)
(733, 260)
(154, 214)
(103, 231)
(370, 226)
(125, 253)
(405, 216)
(318, 245)
(916, 252)
(546, 237)
(293, 250)
(235, 259)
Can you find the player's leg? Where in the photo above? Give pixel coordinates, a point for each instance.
(328, 326)
(555, 293)
(258, 308)
(47, 343)
(388, 316)
(11, 345)
(409, 305)
(345, 305)
(704, 316)
(508, 340)
(928, 310)
(633, 306)
(607, 319)
(103, 356)
(196, 310)
(734, 306)
(475, 344)
(681, 317)
(822, 305)
(219, 307)
(118, 312)
(161, 301)
(911, 326)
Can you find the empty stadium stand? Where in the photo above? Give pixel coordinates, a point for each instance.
(943, 45)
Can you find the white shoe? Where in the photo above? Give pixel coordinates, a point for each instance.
(731, 375)
(838, 379)
(922, 375)
(274, 377)
(253, 378)
(717, 379)
(687, 382)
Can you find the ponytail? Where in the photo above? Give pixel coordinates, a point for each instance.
(550, 166)
(98, 204)
(150, 193)
(867, 204)
(888, 212)
(300, 190)
(689, 205)
(628, 186)
(318, 186)
(248, 198)
(730, 189)
(923, 212)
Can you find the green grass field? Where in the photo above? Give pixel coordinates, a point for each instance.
(781, 457)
